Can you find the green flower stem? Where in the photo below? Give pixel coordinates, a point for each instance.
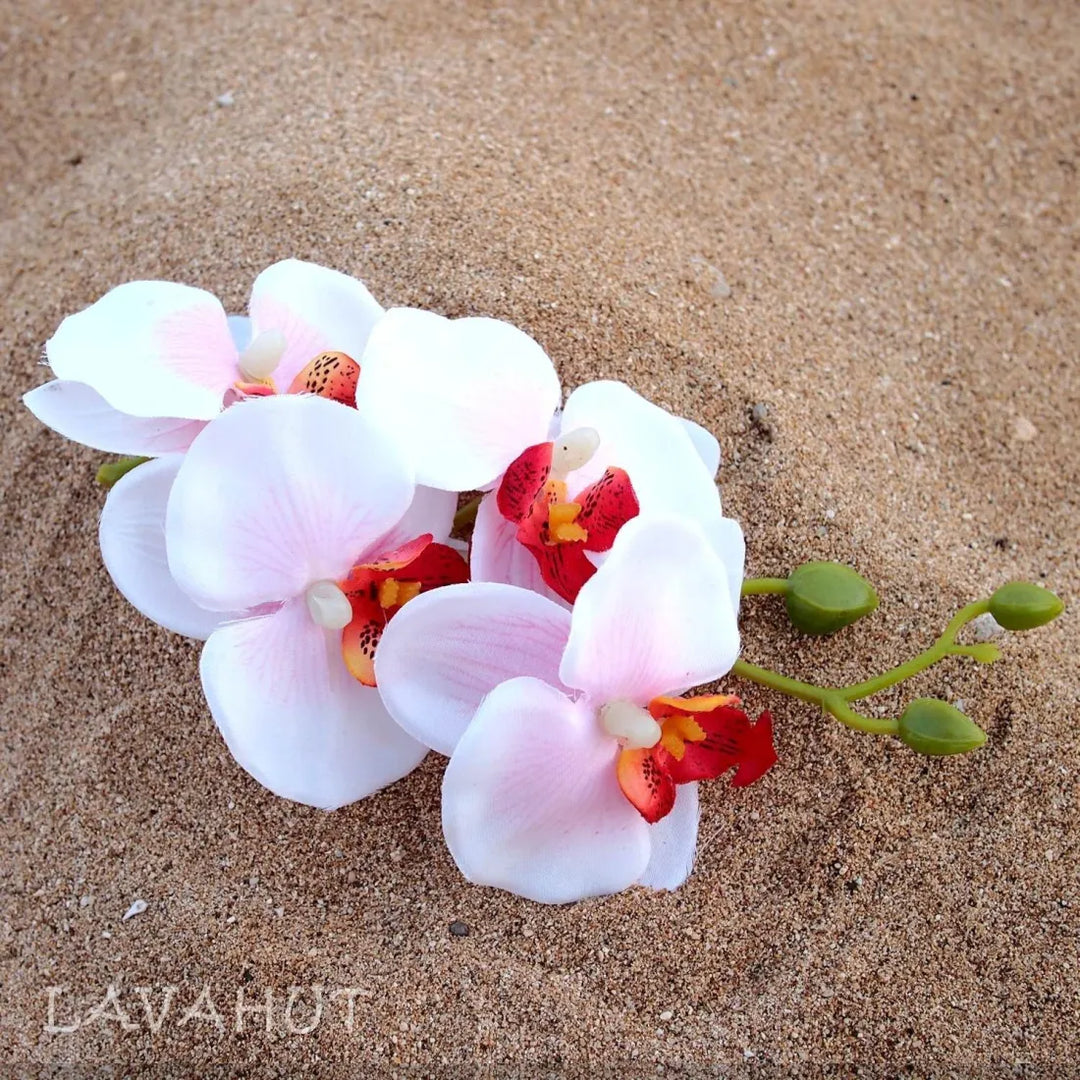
(757, 586)
(466, 514)
(938, 651)
(837, 700)
(109, 473)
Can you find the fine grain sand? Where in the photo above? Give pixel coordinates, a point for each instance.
(860, 216)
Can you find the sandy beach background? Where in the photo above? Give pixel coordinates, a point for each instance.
(861, 218)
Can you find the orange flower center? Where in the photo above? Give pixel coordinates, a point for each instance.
(676, 731)
(394, 592)
(562, 516)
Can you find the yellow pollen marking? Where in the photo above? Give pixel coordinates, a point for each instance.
(394, 593)
(677, 731)
(388, 592)
(408, 590)
(562, 522)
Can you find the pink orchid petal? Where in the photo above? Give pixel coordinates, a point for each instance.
(655, 618)
(668, 473)
(431, 511)
(293, 716)
(443, 652)
(278, 493)
(464, 396)
(316, 308)
(674, 842)
(151, 349)
(132, 536)
(531, 803)
(497, 555)
(80, 413)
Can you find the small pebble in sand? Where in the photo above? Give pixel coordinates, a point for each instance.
(720, 290)
(223, 101)
(985, 627)
(711, 278)
(459, 929)
(137, 908)
(1024, 429)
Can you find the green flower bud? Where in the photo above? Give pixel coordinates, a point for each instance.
(1020, 605)
(113, 471)
(823, 597)
(934, 727)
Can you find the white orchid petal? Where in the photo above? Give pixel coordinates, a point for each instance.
(431, 511)
(705, 444)
(496, 554)
(674, 842)
(655, 618)
(132, 535)
(464, 396)
(278, 493)
(240, 331)
(727, 539)
(663, 463)
(150, 348)
(317, 309)
(447, 649)
(293, 716)
(531, 802)
(80, 413)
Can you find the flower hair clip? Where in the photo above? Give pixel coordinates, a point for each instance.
(394, 536)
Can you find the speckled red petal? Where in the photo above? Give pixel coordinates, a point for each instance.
(606, 507)
(565, 568)
(397, 559)
(650, 790)
(332, 375)
(361, 637)
(437, 565)
(523, 480)
(731, 741)
(660, 707)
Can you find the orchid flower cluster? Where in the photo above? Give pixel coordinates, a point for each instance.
(291, 498)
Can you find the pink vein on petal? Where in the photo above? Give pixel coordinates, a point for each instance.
(196, 345)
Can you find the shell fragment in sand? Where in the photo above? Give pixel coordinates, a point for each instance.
(137, 908)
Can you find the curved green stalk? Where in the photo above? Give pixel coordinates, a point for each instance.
(837, 700)
(760, 585)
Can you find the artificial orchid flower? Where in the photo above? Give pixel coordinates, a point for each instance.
(456, 397)
(146, 367)
(302, 515)
(573, 760)
(561, 502)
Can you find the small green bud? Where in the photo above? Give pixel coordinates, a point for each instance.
(1020, 605)
(985, 652)
(823, 597)
(934, 727)
(112, 471)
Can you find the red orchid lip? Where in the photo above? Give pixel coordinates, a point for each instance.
(377, 591)
(332, 375)
(559, 531)
(701, 739)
